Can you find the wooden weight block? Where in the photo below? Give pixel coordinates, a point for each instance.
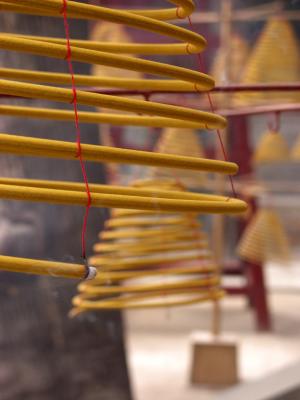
(214, 361)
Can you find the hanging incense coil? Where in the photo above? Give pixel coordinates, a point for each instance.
(271, 148)
(228, 67)
(275, 58)
(264, 239)
(149, 260)
(184, 142)
(238, 53)
(49, 86)
(108, 54)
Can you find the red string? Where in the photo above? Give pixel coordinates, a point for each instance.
(68, 58)
(202, 68)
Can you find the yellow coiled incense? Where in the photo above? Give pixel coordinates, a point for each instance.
(150, 260)
(265, 239)
(271, 148)
(54, 86)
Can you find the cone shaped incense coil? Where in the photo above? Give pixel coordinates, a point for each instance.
(232, 61)
(184, 142)
(180, 141)
(295, 154)
(275, 58)
(264, 239)
(174, 247)
(271, 148)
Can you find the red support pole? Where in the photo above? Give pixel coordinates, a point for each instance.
(241, 151)
(258, 295)
(254, 288)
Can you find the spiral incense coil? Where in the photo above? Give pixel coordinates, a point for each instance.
(56, 87)
(35, 85)
(272, 147)
(164, 264)
(237, 56)
(233, 61)
(264, 239)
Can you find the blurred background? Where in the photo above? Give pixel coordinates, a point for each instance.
(147, 353)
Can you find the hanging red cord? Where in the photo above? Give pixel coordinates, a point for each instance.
(202, 69)
(78, 136)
